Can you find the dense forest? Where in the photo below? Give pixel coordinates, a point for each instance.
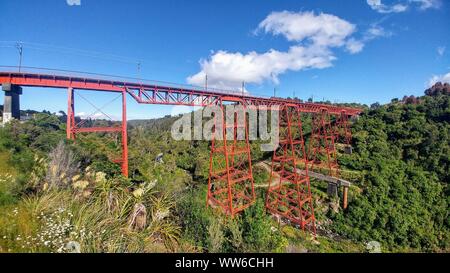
(67, 196)
(403, 150)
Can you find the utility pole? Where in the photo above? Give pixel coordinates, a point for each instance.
(19, 47)
(243, 87)
(139, 69)
(206, 82)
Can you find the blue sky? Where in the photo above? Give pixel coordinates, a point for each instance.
(344, 51)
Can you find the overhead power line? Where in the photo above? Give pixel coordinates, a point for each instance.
(71, 51)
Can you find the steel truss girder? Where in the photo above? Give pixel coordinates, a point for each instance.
(160, 94)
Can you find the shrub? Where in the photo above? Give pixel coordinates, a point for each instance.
(258, 234)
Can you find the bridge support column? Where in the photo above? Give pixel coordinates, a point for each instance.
(322, 149)
(11, 106)
(343, 133)
(348, 150)
(73, 128)
(332, 189)
(290, 198)
(230, 183)
(124, 135)
(70, 114)
(345, 198)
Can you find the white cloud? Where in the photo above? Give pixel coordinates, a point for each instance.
(441, 50)
(322, 29)
(376, 31)
(439, 78)
(354, 46)
(378, 6)
(316, 36)
(94, 116)
(427, 4)
(228, 70)
(403, 6)
(73, 2)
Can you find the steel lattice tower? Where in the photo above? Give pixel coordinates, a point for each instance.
(230, 184)
(343, 134)
(290, 197)
(322, 149)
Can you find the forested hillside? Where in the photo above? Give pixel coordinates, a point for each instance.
(403, 150)
(58, 195)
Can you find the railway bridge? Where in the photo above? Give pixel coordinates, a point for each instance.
(230, 183)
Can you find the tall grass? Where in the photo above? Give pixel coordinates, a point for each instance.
(90, 211)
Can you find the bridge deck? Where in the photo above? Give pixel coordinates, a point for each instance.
(145, 93)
